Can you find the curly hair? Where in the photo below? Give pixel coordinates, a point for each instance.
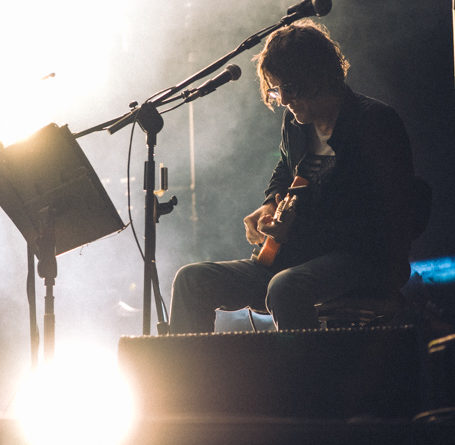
(304, 55)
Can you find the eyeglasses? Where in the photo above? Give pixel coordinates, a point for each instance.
(289, 89)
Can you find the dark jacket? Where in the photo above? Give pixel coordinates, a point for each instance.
(363, 206)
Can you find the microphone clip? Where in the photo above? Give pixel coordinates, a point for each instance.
(307, 8)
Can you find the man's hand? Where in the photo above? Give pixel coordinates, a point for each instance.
(253, 236)
(274, 229)
(258, 220)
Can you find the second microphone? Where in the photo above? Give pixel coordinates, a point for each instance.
(231, 72)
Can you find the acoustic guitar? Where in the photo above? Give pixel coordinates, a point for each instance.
(284, 216)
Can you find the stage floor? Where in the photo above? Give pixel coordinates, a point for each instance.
(193, 430)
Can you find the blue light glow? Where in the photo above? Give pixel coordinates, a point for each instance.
(436, 270)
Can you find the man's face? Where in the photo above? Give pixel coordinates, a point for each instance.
(302, 108)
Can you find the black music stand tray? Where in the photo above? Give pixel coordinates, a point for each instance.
(50, 191)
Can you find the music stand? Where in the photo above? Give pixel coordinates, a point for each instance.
(54, 197)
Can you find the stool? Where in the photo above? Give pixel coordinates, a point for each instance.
(361, 308)
(357, 309)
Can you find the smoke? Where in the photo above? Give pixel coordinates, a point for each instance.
(141, 48)
(152, 46)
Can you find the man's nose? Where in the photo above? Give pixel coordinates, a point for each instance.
(285, 98)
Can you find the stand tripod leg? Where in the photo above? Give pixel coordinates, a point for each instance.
(31, 294)
(47, 269)
(49, 321)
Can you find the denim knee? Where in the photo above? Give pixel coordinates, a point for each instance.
(187, 279)
(287, 289)
(192, 309)
(186, 273)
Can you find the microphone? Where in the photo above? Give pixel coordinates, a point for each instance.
(231, 72)
(308, 8)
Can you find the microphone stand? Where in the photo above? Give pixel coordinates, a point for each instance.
(151, 123)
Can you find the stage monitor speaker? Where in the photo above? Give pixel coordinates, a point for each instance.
(441, 364)
(339, 373)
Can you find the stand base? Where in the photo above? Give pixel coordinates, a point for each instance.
(163, 328)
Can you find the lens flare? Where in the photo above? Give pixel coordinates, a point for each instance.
(75, 399)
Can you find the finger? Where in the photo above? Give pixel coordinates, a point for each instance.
(256, 238)
(278, 198)
(265, 220)
(267, 230)
(252, 235)
(266, 225)
(249, 224)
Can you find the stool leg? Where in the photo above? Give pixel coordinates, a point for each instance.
(323, 323)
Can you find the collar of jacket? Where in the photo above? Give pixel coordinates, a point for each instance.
(346, 122)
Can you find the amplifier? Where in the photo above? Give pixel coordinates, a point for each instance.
(335, 373)
(441, 363)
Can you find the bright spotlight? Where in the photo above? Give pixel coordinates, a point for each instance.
(53, 60)
(73, 401)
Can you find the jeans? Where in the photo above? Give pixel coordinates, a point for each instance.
(289, 295)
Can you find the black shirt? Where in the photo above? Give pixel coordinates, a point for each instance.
(363, 205)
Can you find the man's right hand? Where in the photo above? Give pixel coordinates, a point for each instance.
(253, 236)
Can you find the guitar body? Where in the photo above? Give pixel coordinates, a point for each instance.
(268, 252)
(284, 214)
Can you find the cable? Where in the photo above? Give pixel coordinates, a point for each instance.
(160, 92)
(173, 108)
(128, 185)
(250, 316)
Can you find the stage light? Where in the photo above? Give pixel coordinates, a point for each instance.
(53, 60)
(78, 399)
